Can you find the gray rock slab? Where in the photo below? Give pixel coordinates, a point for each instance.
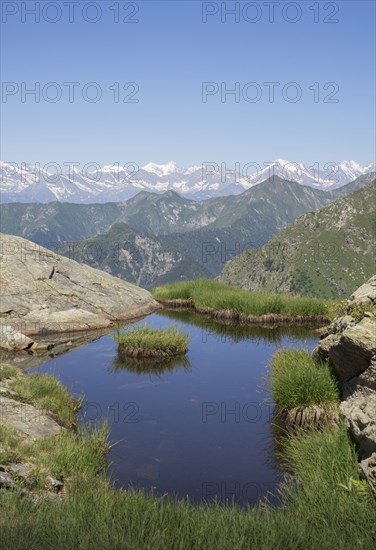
(27, 419)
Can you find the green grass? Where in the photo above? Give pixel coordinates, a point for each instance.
(8, 371)
(206, 293)
(296, 380)
(356, 311)
(70, 454)
(12, 447)
(166, 342)
(64, 456)
(48, 394)
(325, 507)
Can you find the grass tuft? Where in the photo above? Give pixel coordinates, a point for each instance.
(69, 454)
(8, 371)
(12, 447)
(297, 381)
(148, 342)
(48, 394)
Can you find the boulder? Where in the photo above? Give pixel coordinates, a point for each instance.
(351, 354)
(366, 294)
(359, 410)
(44, 293)
(321, 351)
(17, 469)
(26, 418)
(13, 340)
(367, 378)
(6, 481)
(368, 471)
(350, 348)
(340, 324)
(54, 484)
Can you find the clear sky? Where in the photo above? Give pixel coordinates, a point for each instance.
(168, 55)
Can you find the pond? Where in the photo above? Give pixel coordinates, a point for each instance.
(199, 427)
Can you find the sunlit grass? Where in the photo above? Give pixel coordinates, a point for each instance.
(71, 454)
(47, 393)
(206, 293)
(325, 506)
(12, 447)
(8, 371)
(66, 456)
(296, 380)
(145, 340)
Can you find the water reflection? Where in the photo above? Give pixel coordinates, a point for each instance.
(200, 425)
(150, 366)
(227, 330)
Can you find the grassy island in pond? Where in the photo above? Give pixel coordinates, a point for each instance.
(146, 342)
(298, 381)
(305, 392)
(222, 300)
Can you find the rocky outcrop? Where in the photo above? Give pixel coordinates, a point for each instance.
(350, 346)
(27, 419)
(10, 339)
(351, 352)
(26, 424)
(365, 295)
(44, 293)
(18, 475)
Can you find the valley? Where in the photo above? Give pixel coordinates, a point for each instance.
(154, 239)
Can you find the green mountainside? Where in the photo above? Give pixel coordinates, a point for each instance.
(326, 253)
(150, 259)
(360, 182)
(146, 260)
(163, 214)
(165, 238)
(57, 222)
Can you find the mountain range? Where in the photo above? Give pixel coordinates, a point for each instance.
(156, 238)
(327, 253)
(114, 183)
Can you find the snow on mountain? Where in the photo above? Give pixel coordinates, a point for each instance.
(162, 169)
(32, 183)
(327, 177)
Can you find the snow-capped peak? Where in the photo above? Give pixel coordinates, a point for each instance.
(161, 169)
(116, 182)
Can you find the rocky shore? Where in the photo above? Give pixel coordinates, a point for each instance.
(44, 294)
(349, 344)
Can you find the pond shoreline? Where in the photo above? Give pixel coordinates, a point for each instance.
(270, 319)
(71, 488)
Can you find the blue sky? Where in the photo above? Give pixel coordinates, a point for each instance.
(169, 53)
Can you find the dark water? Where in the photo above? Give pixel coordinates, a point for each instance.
(200, 427)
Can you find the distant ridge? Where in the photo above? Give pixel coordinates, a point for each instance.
(114, 183)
